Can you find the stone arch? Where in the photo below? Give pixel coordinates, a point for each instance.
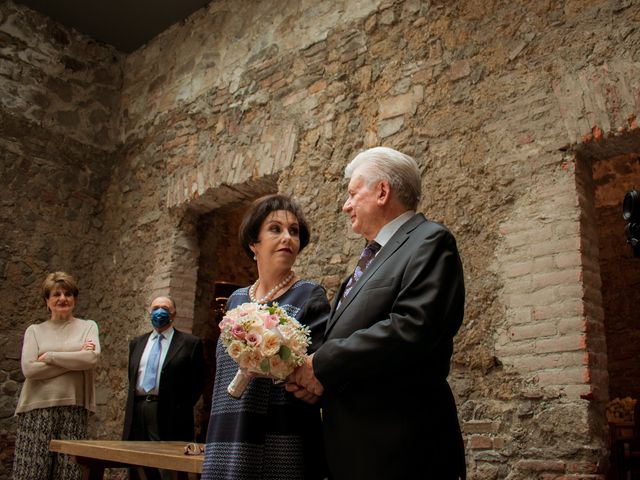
(231, 177)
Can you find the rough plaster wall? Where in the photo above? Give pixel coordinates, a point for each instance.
(486, 96)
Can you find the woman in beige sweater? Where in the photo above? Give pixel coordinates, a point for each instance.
(58, 361)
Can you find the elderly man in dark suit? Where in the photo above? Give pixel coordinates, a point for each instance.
(166, 377)
(382, 369)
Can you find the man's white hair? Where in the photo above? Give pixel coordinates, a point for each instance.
(384, 163)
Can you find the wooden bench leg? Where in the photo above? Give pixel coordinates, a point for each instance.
(92, 470)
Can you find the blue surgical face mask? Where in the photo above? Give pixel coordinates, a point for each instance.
(160, 317)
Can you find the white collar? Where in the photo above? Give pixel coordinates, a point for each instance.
(386, 232)
(167, 334)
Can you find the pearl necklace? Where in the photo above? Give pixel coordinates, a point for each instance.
(270, 293)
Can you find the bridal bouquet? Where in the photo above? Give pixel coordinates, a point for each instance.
(264, 341)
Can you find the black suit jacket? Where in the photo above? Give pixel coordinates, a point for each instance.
(388, 410)
(181, 383)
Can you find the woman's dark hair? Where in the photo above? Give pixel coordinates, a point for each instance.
(259, 210)
(62, 280)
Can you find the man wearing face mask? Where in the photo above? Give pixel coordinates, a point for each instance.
(166, 377)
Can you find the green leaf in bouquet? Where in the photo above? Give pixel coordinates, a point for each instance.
(264, 365)
(284, 353)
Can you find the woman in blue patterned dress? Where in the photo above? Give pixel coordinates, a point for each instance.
(267, 433)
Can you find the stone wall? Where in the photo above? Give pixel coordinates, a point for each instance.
(59, 98)
(505, 105)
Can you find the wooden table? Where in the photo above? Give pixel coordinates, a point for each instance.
(96, 455)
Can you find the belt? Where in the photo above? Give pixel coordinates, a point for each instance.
(147, 398)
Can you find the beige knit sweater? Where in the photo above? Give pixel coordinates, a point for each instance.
(67, 375)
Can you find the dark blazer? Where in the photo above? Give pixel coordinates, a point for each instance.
(181, 383)
(388, 410)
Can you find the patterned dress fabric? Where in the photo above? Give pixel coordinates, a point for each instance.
(32, 460)
(267, 433)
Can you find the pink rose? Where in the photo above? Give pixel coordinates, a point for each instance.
(253, 339)
(238, 332)
(271, 321)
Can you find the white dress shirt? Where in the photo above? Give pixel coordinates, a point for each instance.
(164, 348)
(386, 232)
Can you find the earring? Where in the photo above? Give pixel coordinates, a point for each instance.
(254, 258)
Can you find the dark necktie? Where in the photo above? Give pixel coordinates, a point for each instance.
(151, 371)
(367, 256)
